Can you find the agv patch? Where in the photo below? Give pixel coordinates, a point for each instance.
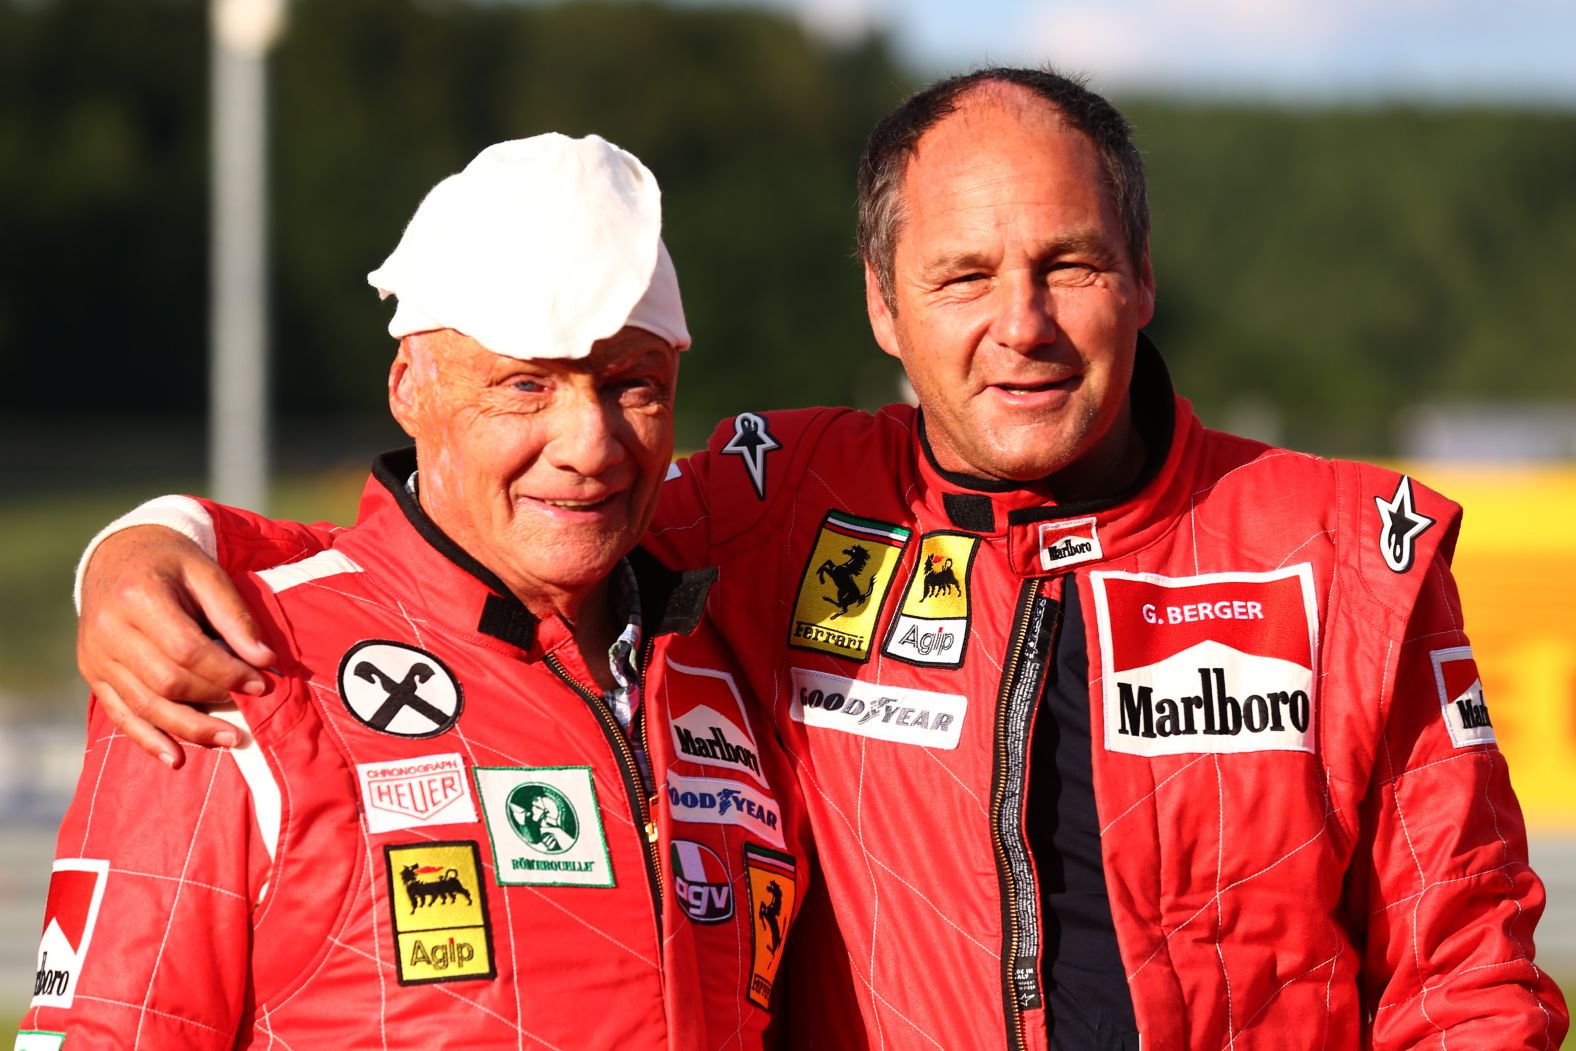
(545, 826)
(845, 583)
(1461, 697)
(76, 890)
(701, 882)
(1221, 663)
(932, 626)
(774, 892)
(438, 910)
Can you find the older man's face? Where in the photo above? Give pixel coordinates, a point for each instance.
(1017, 303)
(546, 471)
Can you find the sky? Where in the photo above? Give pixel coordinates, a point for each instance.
(1447, 50)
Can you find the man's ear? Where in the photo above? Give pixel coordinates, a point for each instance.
(881, 321)
(1146, 289)
(404, 397)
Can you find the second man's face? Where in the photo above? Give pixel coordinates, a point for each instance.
(1017, 303)
(546, 471)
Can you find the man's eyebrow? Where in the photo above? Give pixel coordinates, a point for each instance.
(1087, 244)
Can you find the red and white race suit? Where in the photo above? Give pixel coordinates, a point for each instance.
(1307, 832)
(437, 834)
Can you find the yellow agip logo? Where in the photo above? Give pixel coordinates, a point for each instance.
(439, 913)
(932, 627)
(844, 585)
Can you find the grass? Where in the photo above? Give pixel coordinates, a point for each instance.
(40, 540)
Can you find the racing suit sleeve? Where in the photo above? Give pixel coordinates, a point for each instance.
(240, 541)
(147, 929)
(1440, 881)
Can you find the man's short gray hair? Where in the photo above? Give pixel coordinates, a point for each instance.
(895, 137)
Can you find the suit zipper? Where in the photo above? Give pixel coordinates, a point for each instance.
(1023, 678)
(634, 786)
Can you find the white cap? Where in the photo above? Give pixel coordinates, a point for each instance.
(538, 249)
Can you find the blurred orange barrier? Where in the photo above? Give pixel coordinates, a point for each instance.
(1516, 567)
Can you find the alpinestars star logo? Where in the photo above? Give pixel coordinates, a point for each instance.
(751, 442)
(1400, 524)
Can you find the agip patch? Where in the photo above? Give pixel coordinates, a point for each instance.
(932, 626)
(1461, 697)
(438, 910)
(845, 583)
(774, 893)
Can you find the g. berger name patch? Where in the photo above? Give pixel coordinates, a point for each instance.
(1216, 663)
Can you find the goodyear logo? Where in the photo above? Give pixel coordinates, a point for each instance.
(439, 913)
(844, 585)
(774, 892)
(932, 626)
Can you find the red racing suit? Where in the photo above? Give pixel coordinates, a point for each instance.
(436, 831)
(1307, 832)
(1309, 837)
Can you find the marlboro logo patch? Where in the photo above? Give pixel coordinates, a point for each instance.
(414, 793)
(707, 720)
(845, 583)
(932, 626)
(773, 895)
(76, 890)
(1216, 663)
(1461, 697)
(439, 913)
(1064, 544)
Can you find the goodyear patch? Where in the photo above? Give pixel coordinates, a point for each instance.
(1461, 697)
(932, 625)
(38, 1040)
(844, 585)
(545, 826)
(774, 893)
(439, 913)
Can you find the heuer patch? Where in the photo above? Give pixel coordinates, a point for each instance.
(545, 826)
(715, 801)
(932, 625)
(845, 582)
(888, 713)
(414, 793)
(751, 442)
(398, 689)
(38, 1040)
(1068, 543)
(707, 720)
(1221, 663)
(1400, 524)
(774, 893)
(76, 890)
(701, 882)
(1461, 697)
(438, 908)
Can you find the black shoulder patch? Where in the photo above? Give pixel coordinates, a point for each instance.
(971, 511)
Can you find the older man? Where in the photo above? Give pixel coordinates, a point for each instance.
(1111, 728)
(441, 825)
